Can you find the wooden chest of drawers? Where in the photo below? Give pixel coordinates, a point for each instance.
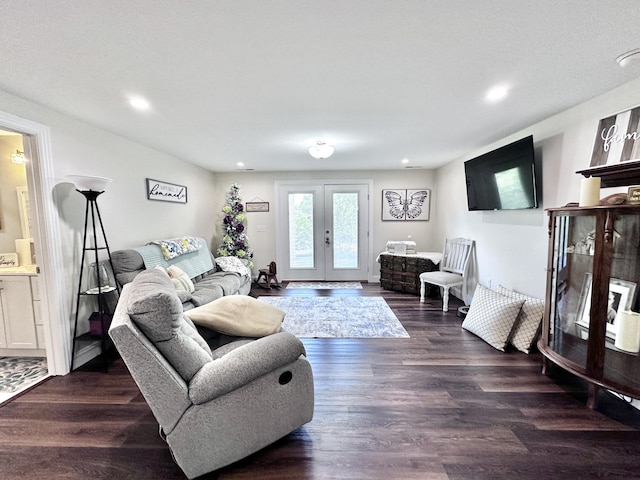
(401, 273)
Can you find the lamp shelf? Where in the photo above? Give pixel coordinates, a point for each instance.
(101, 291)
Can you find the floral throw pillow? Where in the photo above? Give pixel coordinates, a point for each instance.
(178, 246)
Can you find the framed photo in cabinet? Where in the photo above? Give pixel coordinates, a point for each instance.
(621, 297)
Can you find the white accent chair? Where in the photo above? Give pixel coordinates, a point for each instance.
(453, 270)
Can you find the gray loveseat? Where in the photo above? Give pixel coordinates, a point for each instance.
(210, 283)
(215, 406)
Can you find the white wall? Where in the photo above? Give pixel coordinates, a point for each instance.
(260, 186)
(512, 245)
(128, 217)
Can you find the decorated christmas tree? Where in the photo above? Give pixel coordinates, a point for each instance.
(234, 239)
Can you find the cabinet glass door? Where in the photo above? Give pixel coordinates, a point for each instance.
(574, 246)
(621, 364)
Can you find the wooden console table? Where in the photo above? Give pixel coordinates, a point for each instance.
(401, 273)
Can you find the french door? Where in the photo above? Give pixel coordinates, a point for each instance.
(322, 231)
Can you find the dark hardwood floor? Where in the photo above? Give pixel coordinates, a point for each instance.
(439, 405)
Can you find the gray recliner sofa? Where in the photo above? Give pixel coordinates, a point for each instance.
(217, 406)
(209, 281)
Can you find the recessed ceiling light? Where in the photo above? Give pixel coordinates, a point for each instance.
(497, 93)
(405, 161)
(139, 103)
(240, 164)
(628, 57)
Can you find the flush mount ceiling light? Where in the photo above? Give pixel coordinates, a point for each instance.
(18, 157)
(321, 150)
(628, 57)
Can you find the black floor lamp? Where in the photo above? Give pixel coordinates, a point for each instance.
(98, 283)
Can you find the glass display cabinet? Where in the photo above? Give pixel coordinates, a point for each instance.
(593, 276)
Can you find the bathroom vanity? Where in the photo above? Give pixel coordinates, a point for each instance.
(21, 328)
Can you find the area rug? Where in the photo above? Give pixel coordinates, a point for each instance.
(324, 285)
(15, 372)
(338, 317)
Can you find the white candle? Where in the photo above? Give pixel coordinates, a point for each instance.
(628, 331)
(590, 192)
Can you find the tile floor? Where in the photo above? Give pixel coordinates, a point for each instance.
(19, 373)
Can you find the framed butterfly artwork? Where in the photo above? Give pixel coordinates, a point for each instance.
(405, 204)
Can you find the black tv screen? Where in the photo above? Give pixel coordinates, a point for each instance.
(504, 179)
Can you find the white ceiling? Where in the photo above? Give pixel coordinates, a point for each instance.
(255, 81)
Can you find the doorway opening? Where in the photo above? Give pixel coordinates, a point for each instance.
(22, 345)
(45, 280)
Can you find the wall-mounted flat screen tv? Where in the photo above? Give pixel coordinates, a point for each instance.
(504, 179)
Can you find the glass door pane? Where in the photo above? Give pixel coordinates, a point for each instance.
(345, 230)
(622, 361)
(574, 245)
(301, 229)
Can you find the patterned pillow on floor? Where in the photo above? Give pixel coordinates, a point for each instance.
(492, 316)
(527, 326)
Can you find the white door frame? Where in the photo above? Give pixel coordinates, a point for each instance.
(41, 182)
(282, 221)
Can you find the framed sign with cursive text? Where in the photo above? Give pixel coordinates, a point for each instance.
(166, 192)
(8, 260)
(617, 139)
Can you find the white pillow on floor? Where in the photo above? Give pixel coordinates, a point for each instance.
(492, 316)
(528, 323)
